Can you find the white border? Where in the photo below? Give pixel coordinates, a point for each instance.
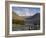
(24, 32)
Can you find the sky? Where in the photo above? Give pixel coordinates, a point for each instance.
(25, 11)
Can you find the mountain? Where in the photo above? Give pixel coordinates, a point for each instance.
(15, 16)
(34, 18)
(33, 21)
(17, 19)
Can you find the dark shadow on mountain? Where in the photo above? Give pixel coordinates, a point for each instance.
(33, 22)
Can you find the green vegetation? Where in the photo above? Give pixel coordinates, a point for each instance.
(17, 24)
(21, 22)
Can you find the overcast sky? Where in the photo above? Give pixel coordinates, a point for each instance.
(26, 11)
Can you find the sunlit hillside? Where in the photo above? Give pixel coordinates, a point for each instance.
(17, 19)
(15, 16)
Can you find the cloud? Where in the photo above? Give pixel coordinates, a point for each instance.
(19, 13)
(25, 11)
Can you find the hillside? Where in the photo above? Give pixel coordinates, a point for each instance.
(15, 16)
(17, 19)
(33, 21)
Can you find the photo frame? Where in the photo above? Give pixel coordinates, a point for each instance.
(22, 11)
